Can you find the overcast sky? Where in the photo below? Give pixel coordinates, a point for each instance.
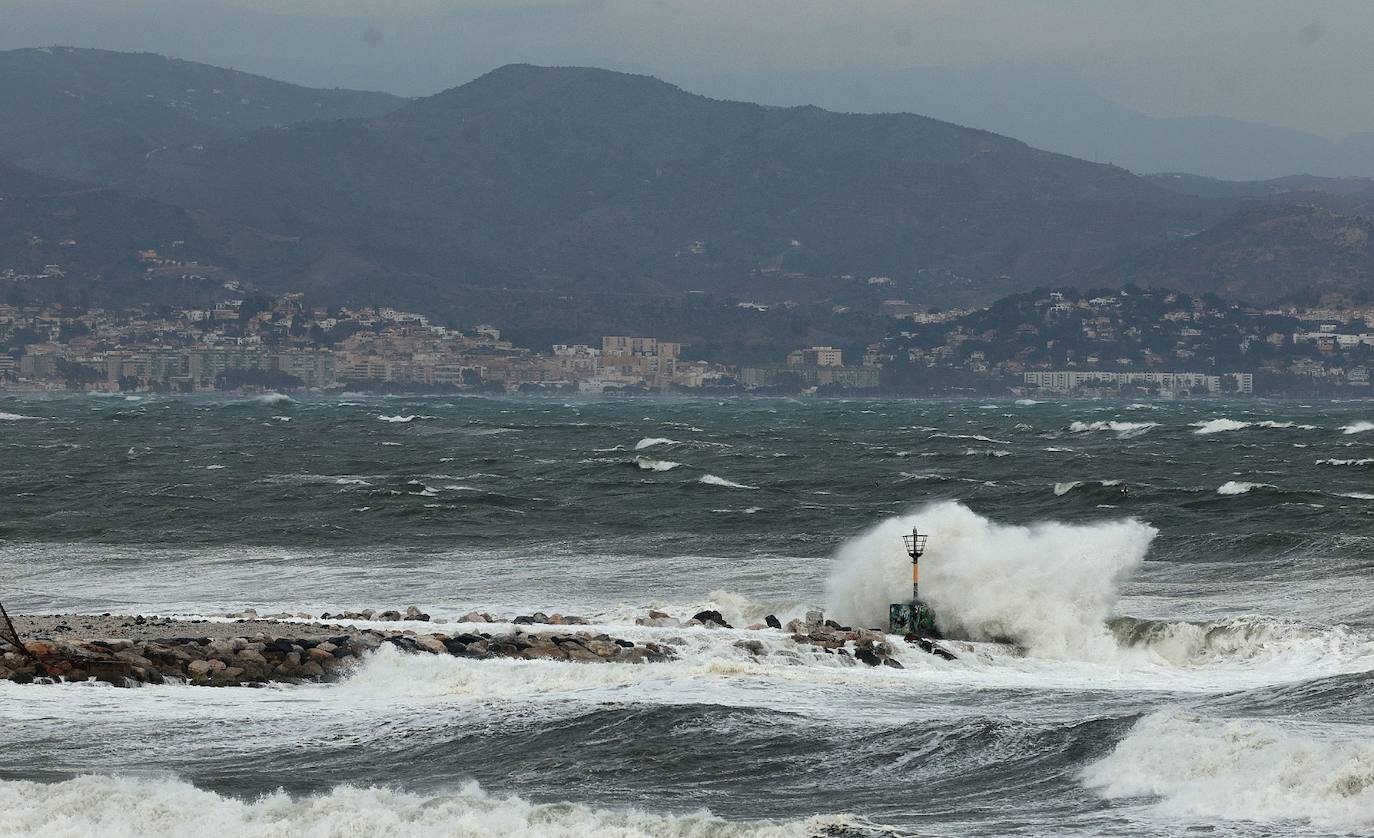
(1304, 65)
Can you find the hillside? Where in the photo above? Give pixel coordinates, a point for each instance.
(73, 112)
(88, 230)
(1275, 252)
(1288, 187)
(586, 179)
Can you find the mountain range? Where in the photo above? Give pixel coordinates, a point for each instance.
(566, 200)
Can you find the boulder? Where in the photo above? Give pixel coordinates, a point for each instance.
(868, 656)
(633, 656)
(604, 649)
(708, 618)
(473, 617)
(198, 669)
(753, 647)
(657, 615)
(431, 643)
(579, 653)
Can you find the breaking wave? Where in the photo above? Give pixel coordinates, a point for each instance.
(1122, 429)
(1049, 587)
(1361, 462)
(14, 417)
(1241, 769)
(1061, 489)
(118, 806)
(1216, 426)
(650, 464)
(712, 480)
(1247, 639)
(1358, 427)
(1240, 487)
(273, 398)
(650, 442)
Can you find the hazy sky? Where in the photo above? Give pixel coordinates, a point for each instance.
(1302, 64)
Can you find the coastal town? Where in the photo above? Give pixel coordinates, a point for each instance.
(1123, 341)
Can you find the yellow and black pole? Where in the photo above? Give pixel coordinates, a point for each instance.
(919, 620)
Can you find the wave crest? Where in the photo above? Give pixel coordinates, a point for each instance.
(1241, 769)
(117, 806)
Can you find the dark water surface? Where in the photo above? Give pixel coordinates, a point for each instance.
(1231, 691)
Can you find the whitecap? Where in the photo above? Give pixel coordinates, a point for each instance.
(650, 464)
(14, 417)
(712, 480)
(1124, 430)
(1216, 426)
(651, 441)
(1358, 427)
(1240, 487)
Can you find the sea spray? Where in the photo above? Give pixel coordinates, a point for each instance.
(1049, 587)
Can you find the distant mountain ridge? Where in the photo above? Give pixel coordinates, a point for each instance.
(1058, 110)
(575, 175)
(75, 112)
(563, 200)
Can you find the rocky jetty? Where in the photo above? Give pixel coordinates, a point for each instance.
(245, 648)
(868, 646)
(284, 653)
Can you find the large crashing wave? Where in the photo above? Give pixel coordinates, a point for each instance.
(114, 807)
(1242, 769)
(1049, 587)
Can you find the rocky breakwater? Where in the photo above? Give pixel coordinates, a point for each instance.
(860, 645)
(173, 651)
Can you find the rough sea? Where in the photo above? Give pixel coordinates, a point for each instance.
(1167, 611)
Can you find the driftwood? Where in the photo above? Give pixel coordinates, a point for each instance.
(11, 636)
